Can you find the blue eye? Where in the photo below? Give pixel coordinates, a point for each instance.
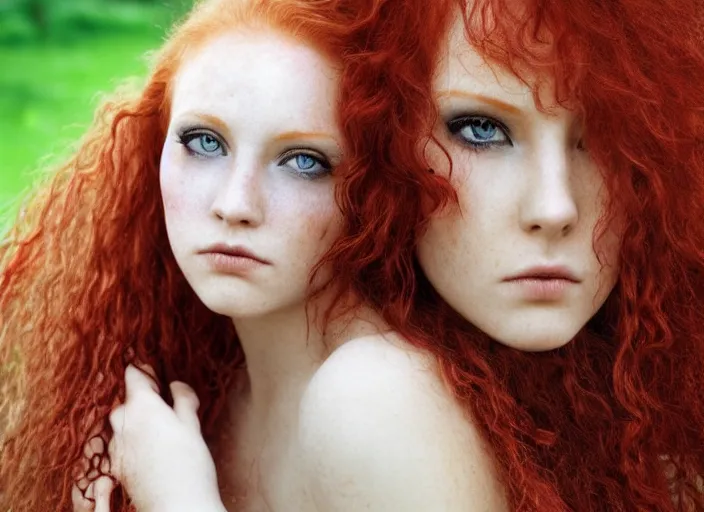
(479, 132)
(209, 143)
(305, 162)
(306, 165)
(204, 144)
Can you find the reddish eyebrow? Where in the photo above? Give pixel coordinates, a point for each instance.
(302, 135)
(484, 99)
(215, 121)
(220, 125)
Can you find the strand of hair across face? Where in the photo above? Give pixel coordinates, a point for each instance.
(615, 420)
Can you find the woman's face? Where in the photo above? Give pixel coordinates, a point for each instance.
(245, 171)
(516, 256)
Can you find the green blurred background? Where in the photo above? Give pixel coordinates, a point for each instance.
(56, 58)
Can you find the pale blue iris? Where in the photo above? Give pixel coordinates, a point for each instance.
(305, 162)
(483, 129)
(209, 143)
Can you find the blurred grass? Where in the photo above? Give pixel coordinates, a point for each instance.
(50, 81)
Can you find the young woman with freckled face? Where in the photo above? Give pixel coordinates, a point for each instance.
(520, 285)
(450, 407)
(169, 340)
(540, 194)
(517, 256)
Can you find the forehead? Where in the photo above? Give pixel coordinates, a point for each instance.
(254, 68)
(462, 68)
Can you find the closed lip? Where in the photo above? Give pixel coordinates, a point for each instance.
(237, 251)
(546, 272)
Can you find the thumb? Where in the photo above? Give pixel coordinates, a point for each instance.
(186, 404)
(102, 489)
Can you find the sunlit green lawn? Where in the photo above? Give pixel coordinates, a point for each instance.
(51, 82)
(48, 95)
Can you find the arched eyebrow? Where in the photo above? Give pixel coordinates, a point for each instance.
(296, 135)
(496, 103)
(222, 127)
(211, 120)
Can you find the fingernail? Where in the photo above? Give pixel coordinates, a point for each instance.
(103, 486)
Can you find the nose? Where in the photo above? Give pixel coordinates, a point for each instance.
(548, 206)
(240, 200)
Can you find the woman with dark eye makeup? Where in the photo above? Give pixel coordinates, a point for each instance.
(508, 310)
(546, 241)
(169, 339)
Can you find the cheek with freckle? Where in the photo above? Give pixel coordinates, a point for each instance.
(321, 221)
(173, 192)
(321, 235)
(174, 202)
(165, 180)
(324, 234)
(330, 230)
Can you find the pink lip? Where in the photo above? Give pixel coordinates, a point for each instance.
(547, 273)
(233, 251)
(548, 283)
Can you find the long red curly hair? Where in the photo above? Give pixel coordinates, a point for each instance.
(88, 282)
(613, 421)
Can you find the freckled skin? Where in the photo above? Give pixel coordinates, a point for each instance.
(245, 194)
(532, 199)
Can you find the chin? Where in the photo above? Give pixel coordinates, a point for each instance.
(533, 344)
(246, 302)
(522, 337)
(235, 311)
(231, 305)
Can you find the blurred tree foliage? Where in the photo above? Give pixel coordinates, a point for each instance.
(23, 21)
(57, 57)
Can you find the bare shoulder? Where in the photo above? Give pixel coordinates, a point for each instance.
(380, 431)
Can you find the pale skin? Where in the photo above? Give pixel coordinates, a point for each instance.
(357, 420)
(529, 196)
(349, 420)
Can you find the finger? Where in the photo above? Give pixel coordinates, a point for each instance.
(80, 469)
(117, 420)
(88, 468)
(80, 503)
(115, 455)
(83, 484)
(96, 426)
(136, 381)
(94, 446)
(186, 404)
(97, 437)
(148, 369)
(105, 466)
(102, 489)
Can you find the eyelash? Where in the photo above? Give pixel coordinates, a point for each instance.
(189, 135)
(320, 159)
(458, 123)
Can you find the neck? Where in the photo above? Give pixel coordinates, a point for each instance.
(282, 352)
(285, 349)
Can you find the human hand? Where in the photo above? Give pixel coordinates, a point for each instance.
(93, 487)
(158, 453)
